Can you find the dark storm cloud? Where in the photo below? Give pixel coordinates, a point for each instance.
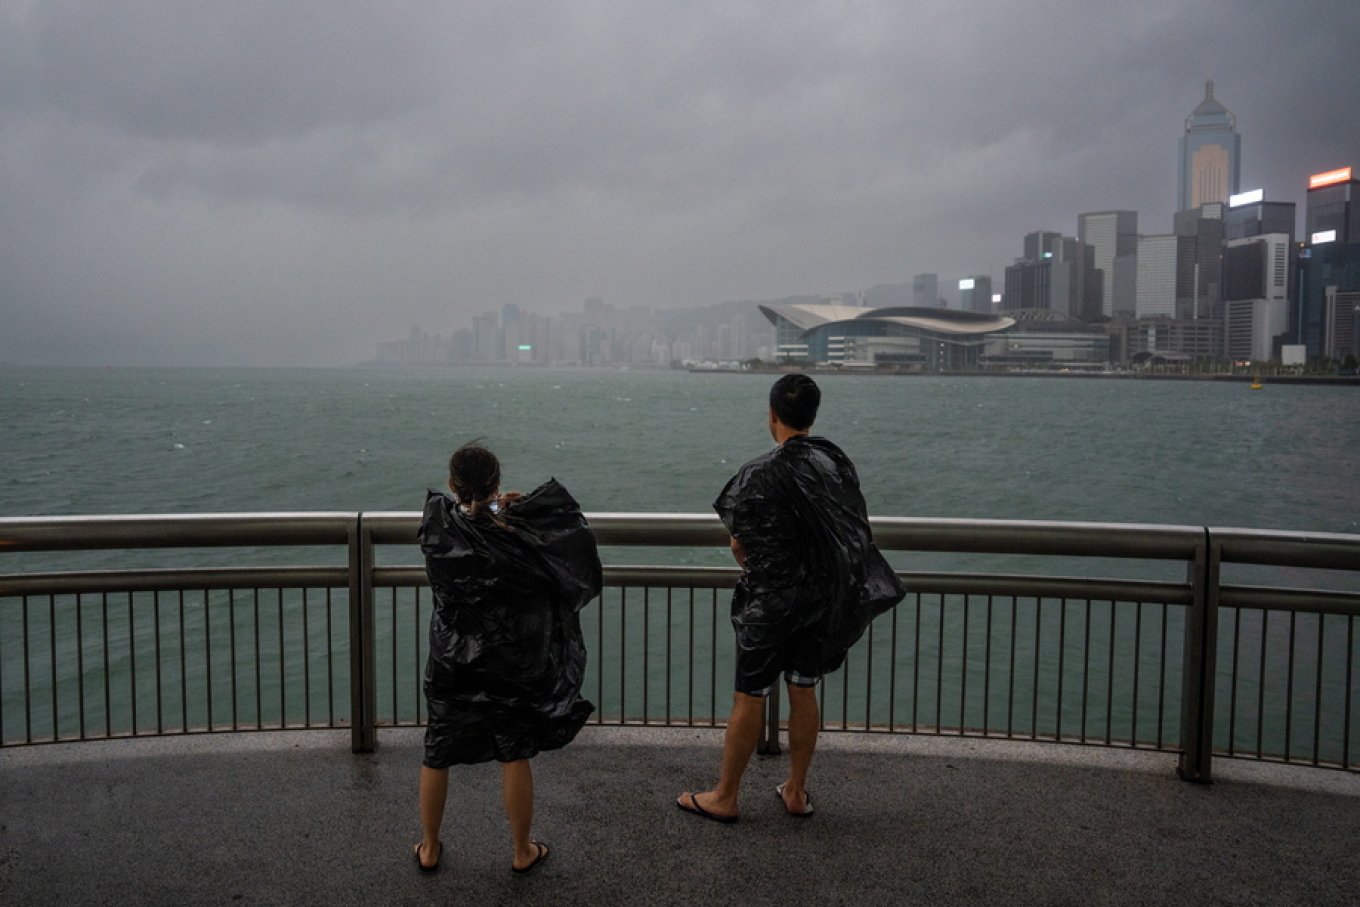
(264, 181)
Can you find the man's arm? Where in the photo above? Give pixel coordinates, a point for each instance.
(738, 552)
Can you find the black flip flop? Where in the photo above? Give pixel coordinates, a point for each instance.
(543, 852)
(435, 868)
(698, 810)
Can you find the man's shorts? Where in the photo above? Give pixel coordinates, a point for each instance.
(793, 679)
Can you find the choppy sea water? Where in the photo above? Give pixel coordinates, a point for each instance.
(96, 441)
(182, 441)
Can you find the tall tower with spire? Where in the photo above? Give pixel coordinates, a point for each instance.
(1211, 155)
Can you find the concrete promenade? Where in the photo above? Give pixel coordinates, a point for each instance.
(295, 818)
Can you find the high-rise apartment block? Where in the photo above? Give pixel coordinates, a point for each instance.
(975, 294)
(1210, 155)
(925, 291)
(1057, 273)
(1112, 235)
(1329, 287)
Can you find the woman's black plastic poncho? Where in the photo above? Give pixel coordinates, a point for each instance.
(813, 579)
(503, 677)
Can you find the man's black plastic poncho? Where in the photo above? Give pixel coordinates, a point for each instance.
(813, 579)
(503, 677)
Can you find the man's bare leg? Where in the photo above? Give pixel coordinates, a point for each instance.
(739, 743)
(804, 720)
(517, 790)
(434, 790)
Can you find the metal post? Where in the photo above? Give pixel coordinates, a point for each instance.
(363, 689)
(769, 728)
(1201, 647)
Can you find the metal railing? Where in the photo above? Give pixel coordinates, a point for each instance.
(1190, 665)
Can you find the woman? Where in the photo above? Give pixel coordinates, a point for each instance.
(503, 678)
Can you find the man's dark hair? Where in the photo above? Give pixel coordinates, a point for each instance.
(794, 399)
(474, 473)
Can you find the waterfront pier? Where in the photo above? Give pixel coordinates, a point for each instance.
(295, 818)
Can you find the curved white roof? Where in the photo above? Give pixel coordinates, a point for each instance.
(809, 316)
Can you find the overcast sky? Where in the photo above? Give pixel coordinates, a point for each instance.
(291, 181)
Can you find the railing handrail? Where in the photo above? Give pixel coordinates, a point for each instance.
(1202, 550)
(974, 536)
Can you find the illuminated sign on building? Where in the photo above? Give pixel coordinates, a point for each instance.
(1326, 179)
(1324, 236)
(967, 283)
(1246, 198)
(525, 347)
(996, 298)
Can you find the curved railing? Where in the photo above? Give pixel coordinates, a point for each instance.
(296, 620)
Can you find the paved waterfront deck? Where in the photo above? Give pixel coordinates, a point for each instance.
(295, 818)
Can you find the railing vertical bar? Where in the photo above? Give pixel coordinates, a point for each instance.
(160, 695)
(963, 665)
(845, 694)
(330, 656)
(108, 693)
(1038, 656)
(689, 704)
(283, 671)
(1086, 671)
(231, 651)
(1137, 667)
(207, 654)
(132, 664)
(1236, 681)
(1289, 690)
(713, 661)
(987, 674)
(183, 667)
(1317, 694)
(892, 675)
(363, 646)
(939, 673)
(1261, 687)
(415, 655)
(80, 662)
(1201, 652)
(1161, 690)
(52, 631)
(670, 620)
(396, 710)
(623, 655)
(1350, 690)
(1010, 669)
(1109, 675)
(916, 668)
(259, 660)
(646, 652)
(28, 683)
(869, 683)
(306, 660)
(599, 662)
(1062, 665)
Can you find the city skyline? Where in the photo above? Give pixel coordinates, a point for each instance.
(252, 184)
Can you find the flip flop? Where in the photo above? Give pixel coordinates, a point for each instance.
(698, 810)
(543, 852)
(805, 814)
(421, 866)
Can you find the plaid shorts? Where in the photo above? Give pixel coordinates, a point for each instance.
(793, 679)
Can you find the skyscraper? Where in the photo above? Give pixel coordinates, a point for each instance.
(1210, 155)
(1111, 235)
(1330, 272)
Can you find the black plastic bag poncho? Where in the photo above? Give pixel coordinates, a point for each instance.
(507, 658)
(813, 578)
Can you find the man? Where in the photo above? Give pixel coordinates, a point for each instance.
(811, 582)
